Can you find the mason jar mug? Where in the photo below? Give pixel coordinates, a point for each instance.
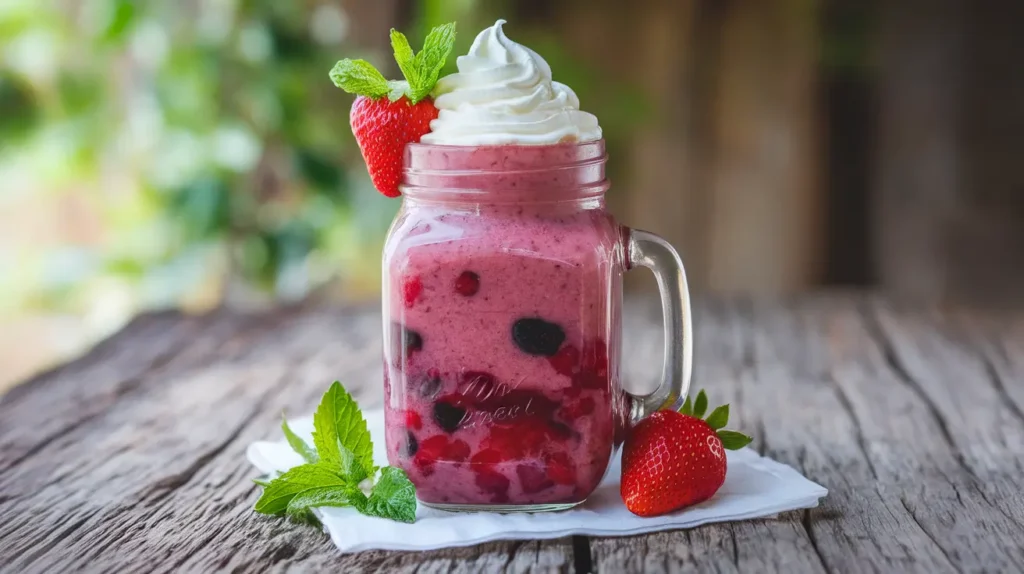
(502, 325)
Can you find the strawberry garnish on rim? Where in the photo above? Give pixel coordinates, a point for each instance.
(676, 459)
(388, 114)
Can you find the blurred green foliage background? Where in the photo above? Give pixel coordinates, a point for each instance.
(167, 153)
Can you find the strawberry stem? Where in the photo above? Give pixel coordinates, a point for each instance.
(717, 420)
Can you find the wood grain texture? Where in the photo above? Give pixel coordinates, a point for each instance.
(913, 418)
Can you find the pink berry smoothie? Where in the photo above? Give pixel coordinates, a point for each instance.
(501, 318)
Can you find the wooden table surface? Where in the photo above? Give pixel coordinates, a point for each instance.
(132, 458)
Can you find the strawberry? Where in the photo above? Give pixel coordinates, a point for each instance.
(413, 420)
(676, 459)
(388, 115)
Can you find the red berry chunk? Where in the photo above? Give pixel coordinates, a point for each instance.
(524, 437)
(438, 448)
(457, 451)
(467, 284)
(532, 478)
(432, 448)
(488, 456)
(575, 410)
(412, 287)
(560, 469)
(413, 420)
(493, 482)
(566, 361)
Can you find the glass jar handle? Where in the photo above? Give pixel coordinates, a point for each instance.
(651, 251)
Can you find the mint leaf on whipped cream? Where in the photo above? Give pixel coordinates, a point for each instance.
(405, 57)
(421, 70)
(437, 46)
(338, 472)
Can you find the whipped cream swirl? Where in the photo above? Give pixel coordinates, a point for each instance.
(503, 94)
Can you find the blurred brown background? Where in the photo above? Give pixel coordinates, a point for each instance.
(192, 154)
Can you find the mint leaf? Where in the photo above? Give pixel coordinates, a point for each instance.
(333, 495)
(359, 77)
(437, 46)
(718, 417)
(404, 57)
(281, 490)
(339, 423)
(306, 517)
(733, 440)
(350, 468)
(398, 88)
(300, 507)
(700, 406)
(344, 456)
(298, 445)
(393, 497)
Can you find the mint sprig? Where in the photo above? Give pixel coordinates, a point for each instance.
(421, 70)
(719, 417)
(392, 496)
(336, 468)
(307, 452)
(338, 426)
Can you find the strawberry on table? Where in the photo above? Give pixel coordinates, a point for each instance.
(676, 459)
(388, 114)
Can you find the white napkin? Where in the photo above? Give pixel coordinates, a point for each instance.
(755, 487)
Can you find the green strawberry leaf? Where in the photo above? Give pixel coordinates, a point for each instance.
(280, 491)
(687, 408)
(359, 77)
(394, 497)
(700, 406)
(307, 452)
(733, 440)
(338, 423)
(718, 417)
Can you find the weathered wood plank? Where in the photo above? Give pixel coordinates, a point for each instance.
(911, 418)
(817, 384)
(943, 521)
